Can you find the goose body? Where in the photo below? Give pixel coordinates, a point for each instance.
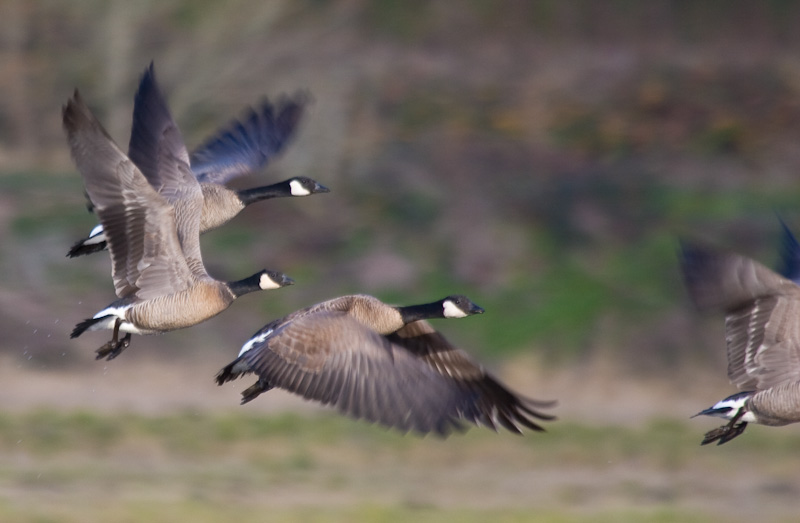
(152, 234)
(382, 363)
(236, 150)
(204, 299)
(762, 331)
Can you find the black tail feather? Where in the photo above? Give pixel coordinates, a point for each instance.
(82, 249)
(227, 373)
(82, 326)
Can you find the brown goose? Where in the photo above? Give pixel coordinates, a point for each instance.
(762, 333)
(153, 236)
(384, 364)
(236, 150)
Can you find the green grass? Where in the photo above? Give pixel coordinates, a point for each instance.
(84, 466)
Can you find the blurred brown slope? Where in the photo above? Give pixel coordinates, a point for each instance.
(539, 156)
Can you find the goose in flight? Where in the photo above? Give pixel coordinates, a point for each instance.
(384, 364)
(153, 234)
(236, 150)
(762, 331)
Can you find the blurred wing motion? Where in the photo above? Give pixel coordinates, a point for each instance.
(332, 358)
(762, 315)
(484, 400)
(248, 145)
(413, 379)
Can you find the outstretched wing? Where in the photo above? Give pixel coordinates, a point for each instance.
(139, 224)
(330, 357)
(248, 145)
(334, 359)
(484, 400)
(762, 326)
(157, 148)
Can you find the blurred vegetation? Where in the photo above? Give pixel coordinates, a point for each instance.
(541, 157)
(327, 468)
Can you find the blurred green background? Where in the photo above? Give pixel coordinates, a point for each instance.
(541, 157)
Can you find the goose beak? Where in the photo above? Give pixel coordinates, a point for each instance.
(319, 188)
(476, 309)
(286, 281)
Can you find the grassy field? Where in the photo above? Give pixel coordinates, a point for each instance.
(194, 466)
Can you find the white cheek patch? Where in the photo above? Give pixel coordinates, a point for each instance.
(451, 310)
(266, 283)
(297, 189)
(254, 341)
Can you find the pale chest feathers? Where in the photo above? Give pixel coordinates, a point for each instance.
(779, 405)
(376, 315)
(181, 310)
(220, 205)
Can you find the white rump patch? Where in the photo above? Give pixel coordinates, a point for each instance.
(451, 310)
(748, 417)
(734, 405)
(298, 189)
(111, 314)
(254, 340)
(266, 283)
(96, 236)
(118, 312)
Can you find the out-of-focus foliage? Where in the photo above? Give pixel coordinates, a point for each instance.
(542, 157)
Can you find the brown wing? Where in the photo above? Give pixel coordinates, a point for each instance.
(724, 281)
(484, 400)
(139, 224)
(157, 148)
(762, 322)
(331, 358)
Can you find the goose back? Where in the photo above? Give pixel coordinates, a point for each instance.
(366, 309)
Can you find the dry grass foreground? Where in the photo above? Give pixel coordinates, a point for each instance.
(154, 440)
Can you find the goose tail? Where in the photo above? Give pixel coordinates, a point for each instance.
(85, 325)
(84, 247)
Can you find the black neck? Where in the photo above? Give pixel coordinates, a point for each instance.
(425, 311)
(245, 286)
(256, 194)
